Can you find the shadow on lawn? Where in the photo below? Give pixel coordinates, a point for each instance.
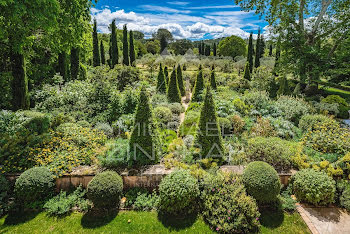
(18, 217)
(271, 218)
(97, 218)
(177, 223)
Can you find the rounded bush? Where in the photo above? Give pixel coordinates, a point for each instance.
(261, 181)
(178, 193)
(35, 184)
(105, 189)
(163, 114)
(314, 187)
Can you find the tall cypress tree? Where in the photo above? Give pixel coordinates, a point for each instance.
(180, 81)
(198, 86)
(270, 50)
(74, 63)
(166, 75)
(257, 51)
(277, 56)
(114, 45)
(102, 51)
(212, 79)
(173, 92)
(132, 48)
(262, 46)
(163, 44)
(247, 71)
(19, 84)
(250, 53)
(207, 50)
(208, 136)
(125, 46)
(203, 48)
(63, 66)
(214, 49)
(161, 83)
(96, 53)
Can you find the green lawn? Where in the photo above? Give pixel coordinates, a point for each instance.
(140, 222)
(334, 91)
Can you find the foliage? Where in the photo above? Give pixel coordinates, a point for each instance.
(250, 53)
(232, 46)
(96, 52)
(4, 194)
(309, 122)
(126, 60)
(263, 128)
(173, 92)
(261, 181)
(181, 46)
(343, 190)
(313, 187)
(146, 202)
(105, 128)
(293, 108)
(161, 83)
(114, 51)
(198, 87)
(247, 75)
(284, 87)
(105, 190)
(342, 105)
(180, 80)
(116, 154)
(163, 115)
(213, 80)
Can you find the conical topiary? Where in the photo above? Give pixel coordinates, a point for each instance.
(173, 88)
(166, 75)
(208, 136)
(143, 141)
(180, 81)
(247, 71)
(161, 84)
(198, 86)
(212, 79)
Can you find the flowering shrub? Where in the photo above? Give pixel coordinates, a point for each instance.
(309, 122)
(263, 128)
(293, 108)
(342, 105)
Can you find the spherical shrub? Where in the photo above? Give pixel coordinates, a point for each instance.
(314, 187)
(178, 193)
(35, 184)
(261, 181)
(105, 189)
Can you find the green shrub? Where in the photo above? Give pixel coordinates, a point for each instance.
(105, 189)
(198, 87)
(342, 105)
(343, 193)
(178, 193)
(314, 187)
(146, 202)
(35, 184)
(262, 182)
(4, 190)
(173, 91)
(116, 154)
(226, 207)
(293, 108)
(163, 115)
(132, 194)
(309, 122)
(105, 128)
(35, 121)
(272, 150)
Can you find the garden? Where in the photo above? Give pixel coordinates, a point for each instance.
(112, 105)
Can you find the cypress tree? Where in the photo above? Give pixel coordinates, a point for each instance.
(262, 46)
(173, 92)
(180, 81)
(270, 50)
(19, 84)
(203, 48)
(63, 65)
(214, 49)
(208, 136)
(132, 48)
(257, 51)
(284, 87)
(161, 83)
(250, 53)
(125, 46)
(102, 51)
(114, 46)
(212, 79)
(166, 75)
(96, 53)
(163, 44)
(74, 63)
(277, 56)
(207, 50)
(143, 140)
(198, 86)
(247, 71)
(199, 48)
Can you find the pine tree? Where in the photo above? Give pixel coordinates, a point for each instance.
(208, 136)
(270, 50)
(102, 51)
(143, 141)
(214, 49)
(19, 84)
(284, 87)
(166, 75)
(161, 83)
(96, 53)
(198, 86)
(180, 81)
(125, 46)
(163, 44)
(247, 71)
(74, 63)
(212, 79)
(132, 48)
(114, 51)
(250, 53)
(173, 91)
(63, 66)
(257, 51)
(262, 46)
(207, 50)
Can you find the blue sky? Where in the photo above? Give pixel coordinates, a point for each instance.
(194, 20)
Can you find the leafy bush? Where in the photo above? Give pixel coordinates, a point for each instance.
(35, 184)
(293, 108)
(237, 124)
(4, 190)
(35, 121)
(163, 115)
(189, 125)
(116, 154)
(146, 202)
(314, 187)
(178, 193)
(342, 105)
(272, 150)
(284, 128)
(132, 194)
(105, 189)
(309, 122)
(262, 182)
(343, 192)
(124, 124)
(105, 128)
(226, 207)
(263, 128)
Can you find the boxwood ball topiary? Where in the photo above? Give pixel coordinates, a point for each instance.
(178, 193)
(261, 181)
(105, 189)
(35, 184)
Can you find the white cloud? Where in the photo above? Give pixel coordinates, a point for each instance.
(213, 7)
(178, 3)
(163, 9)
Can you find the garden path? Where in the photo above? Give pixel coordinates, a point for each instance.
(185, 100)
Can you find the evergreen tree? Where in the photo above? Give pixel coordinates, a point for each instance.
(257, 51)
(125, 46)
(247, 71)
(277, 56)
(19, 84)
(214, 49)
(180, 81)
(207, 50)
(284, 87)
(173, 92)
(198, 86)
(114, 46)
(212, 79)
(63, 66)
(163, 43)
(208, 136)
(203, 48)
(166, 75)
(96, 53)
(161, 83)
(199, 48)
(102, 51)
(132, 49)
(250, 53)
(270, 50)
(74, 63)
(143, 141)
(262, 46)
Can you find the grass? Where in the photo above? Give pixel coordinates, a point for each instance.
(140, 222)
(334, 91)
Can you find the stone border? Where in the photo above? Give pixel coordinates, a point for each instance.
(306, 219)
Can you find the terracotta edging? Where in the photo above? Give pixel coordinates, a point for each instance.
(306, 219)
